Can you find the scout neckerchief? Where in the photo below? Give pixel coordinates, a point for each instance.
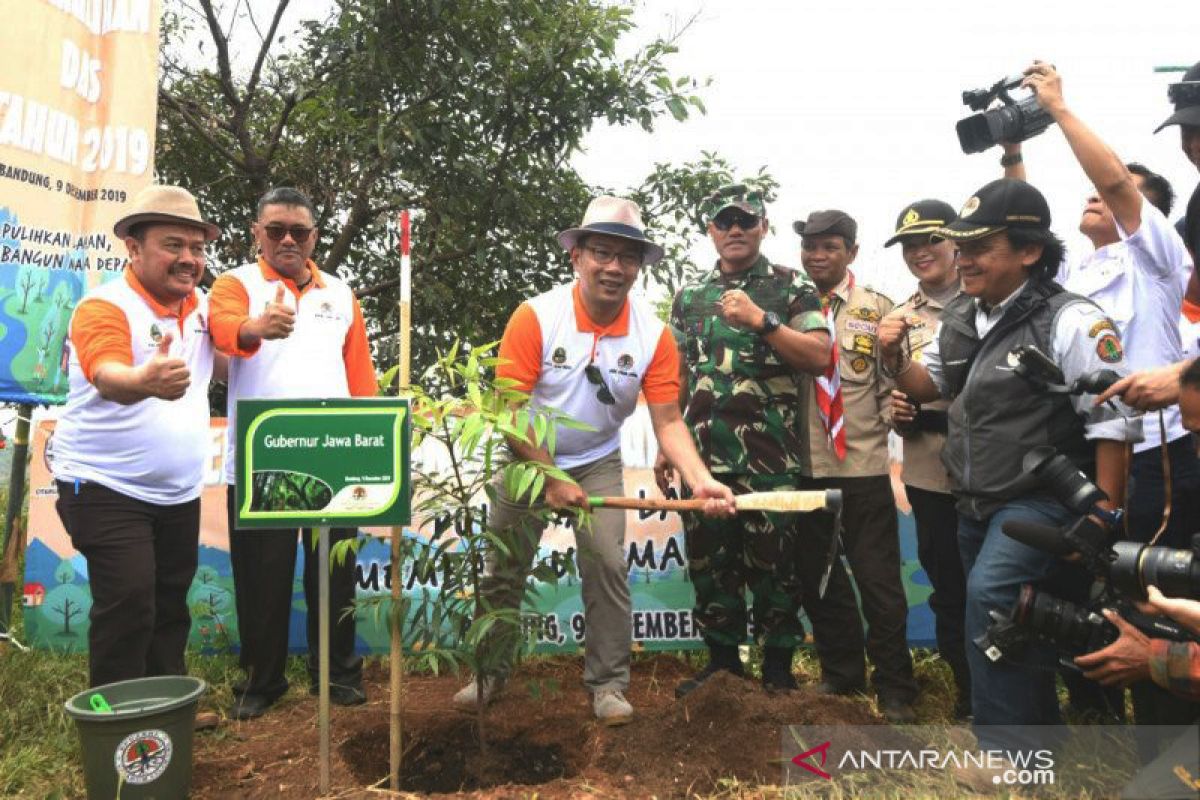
(829, 384)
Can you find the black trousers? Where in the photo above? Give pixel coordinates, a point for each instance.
(264, 564)
(871, 537)
(141, 559)
(937, 549)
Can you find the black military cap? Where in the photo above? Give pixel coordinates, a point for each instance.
(831, 221)
(923, 216)
(1003, 203)
(1186, 97)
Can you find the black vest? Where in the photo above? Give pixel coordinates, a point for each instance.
(996, 416)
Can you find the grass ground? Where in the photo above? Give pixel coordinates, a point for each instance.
(39, 748)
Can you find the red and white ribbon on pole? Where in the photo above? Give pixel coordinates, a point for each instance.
(405, 353)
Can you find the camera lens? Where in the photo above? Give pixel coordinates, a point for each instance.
(1176, 573)
(1068, 484)
(1070, 628)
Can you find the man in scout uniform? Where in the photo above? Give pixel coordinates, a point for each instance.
(853, 457)
(589, 350)
(744, 330)
(923, 429)
(129, 451)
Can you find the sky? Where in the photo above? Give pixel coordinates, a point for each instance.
(852, 104)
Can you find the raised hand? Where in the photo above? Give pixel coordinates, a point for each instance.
(164, 376)
(277, 320)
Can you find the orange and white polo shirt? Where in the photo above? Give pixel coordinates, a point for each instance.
(326, 355)
(547, 347)
(153, 450)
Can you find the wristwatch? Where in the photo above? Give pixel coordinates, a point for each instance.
(770, 323)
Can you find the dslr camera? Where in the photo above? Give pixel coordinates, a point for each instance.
(1010, 121)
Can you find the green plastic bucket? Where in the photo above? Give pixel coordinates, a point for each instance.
(142, 748)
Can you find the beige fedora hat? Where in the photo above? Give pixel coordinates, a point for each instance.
(613, 216)
(158, 203)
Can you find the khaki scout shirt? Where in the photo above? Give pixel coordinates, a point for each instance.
(866, 392)
(923, 449)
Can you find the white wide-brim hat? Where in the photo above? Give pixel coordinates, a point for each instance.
(613, 216)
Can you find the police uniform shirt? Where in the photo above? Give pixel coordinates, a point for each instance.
(923, 466)
(1084, 341)
(1139, 283)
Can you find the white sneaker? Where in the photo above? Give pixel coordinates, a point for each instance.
(468, 696)
(611, 707)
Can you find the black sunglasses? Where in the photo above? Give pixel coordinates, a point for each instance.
(299, 233)
(596, 378)
(746, 222)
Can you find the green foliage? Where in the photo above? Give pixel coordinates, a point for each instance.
(470, 420)
(466, 110)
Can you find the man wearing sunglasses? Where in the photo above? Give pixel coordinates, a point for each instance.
(291, 330)
(745, 329)
(589, 350)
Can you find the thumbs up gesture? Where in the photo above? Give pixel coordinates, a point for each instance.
(277, 319)
(165, 376)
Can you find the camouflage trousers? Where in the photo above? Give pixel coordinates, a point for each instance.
(752, 550)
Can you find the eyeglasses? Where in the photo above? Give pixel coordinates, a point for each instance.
(606, 256)
(299, 233)
(596, 378)
(746, 222)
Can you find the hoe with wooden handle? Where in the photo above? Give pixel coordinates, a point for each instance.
(780, 502)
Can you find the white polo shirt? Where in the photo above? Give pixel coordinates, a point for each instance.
(1139, 283)
(152, 450)
(550, 343)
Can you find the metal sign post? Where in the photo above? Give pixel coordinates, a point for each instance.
(319, 463)
(323, 655)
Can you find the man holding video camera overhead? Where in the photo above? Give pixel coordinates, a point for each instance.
(1006, 258)
(1136, 275)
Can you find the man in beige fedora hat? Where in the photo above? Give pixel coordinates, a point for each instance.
(588, 350)
(130, 447)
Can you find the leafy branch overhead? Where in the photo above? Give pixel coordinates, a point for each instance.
(466, 110)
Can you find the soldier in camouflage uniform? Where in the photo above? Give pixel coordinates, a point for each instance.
(744, 331)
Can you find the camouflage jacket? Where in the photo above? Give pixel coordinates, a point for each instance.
(743, 400)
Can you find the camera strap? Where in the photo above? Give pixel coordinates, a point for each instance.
(1166, 467)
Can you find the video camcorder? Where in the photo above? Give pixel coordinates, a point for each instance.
(1011, 121)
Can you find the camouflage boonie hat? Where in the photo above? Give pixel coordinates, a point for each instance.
(731, 195)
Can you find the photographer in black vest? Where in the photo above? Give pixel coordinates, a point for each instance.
(1005, 256)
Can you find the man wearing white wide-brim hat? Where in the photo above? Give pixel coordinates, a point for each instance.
(129, 450)
(588, 350)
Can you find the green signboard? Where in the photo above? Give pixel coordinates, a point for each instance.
(323, 463)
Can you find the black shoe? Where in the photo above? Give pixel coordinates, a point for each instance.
(777, 670)
(897, 711)
(720, 657)
(342, 694)
(825, 687)
(251, 706)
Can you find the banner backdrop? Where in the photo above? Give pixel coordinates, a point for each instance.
(78, 94)
(57, 598)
